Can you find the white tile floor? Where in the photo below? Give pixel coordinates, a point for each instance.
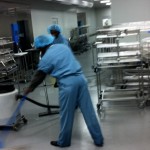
(123, 129)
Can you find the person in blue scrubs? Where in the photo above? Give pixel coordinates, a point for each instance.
(58, 61)
(55, 30)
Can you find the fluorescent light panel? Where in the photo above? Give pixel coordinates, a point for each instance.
(108, 4)
(105, 1)
(67, 2)
(83, 3)
(87, 4)
(75, 2)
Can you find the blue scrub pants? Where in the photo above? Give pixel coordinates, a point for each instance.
(73, 91)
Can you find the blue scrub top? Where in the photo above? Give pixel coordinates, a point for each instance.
(61, 40)
(59, 62)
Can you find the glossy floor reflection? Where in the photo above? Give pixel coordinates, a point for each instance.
(123, 129)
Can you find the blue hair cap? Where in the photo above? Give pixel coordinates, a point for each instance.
(54, 27)
(43, 40)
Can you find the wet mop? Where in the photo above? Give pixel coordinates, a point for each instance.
(5, 132)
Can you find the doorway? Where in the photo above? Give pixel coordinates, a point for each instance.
(81, 20)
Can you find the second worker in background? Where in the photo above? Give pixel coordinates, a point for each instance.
(55, 30)
(59, 62)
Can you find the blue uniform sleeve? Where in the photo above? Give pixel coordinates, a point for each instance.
(66, 42)
(45, 66)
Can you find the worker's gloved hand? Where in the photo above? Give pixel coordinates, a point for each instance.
(27, 91)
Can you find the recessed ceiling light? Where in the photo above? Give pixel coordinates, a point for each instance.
(108, 4)
(75, 2)
(87, 4)
(64, 2)
(105, 1)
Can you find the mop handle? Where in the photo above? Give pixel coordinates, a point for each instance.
(13, 117)
(11, 120)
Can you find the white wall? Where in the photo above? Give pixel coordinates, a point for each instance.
(5, 28)
(130, 11)
(41, 19)
(90, 18)
(101, 14)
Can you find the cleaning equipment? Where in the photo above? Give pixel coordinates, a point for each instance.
(41, 105)
(8, 105)
(6, 86)
(12, 119)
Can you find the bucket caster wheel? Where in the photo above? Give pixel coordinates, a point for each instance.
(101, 113)
(15, 128)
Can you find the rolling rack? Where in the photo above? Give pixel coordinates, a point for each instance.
(145, 76)
(118, 56)
(146, 58)
(8, 68)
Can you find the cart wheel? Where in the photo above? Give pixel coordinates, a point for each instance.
(100, 97)
(98, 106)
(101, 108)
(142, 105)
(15, 128)
(141, 94)
(102, 115)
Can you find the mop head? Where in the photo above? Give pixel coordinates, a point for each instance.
(13, 117)
(17, 148)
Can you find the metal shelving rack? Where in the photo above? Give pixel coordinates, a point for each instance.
(8, 69)
(7, 63)
(145, 79)
(118, 56)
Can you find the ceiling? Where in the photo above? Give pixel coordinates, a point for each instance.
(24, 6)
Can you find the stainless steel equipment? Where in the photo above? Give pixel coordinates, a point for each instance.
(118, 56)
